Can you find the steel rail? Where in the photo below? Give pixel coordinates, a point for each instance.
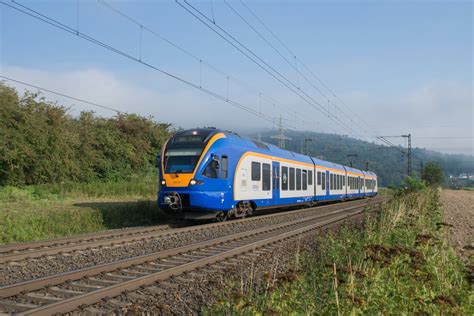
(46, 248)
(79, 238)
(223, 252)
(31, 285)
(114, 290)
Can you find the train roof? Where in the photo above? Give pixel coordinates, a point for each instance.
(266, 148)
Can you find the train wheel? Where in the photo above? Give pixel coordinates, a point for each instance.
(221, 217)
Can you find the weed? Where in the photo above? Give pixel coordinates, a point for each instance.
(399, 264)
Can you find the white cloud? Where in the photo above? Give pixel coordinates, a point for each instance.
(179, 105)
(437, 109)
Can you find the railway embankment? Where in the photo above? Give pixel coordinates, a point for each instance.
(401, 262)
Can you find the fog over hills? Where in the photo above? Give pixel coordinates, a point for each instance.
(390, 163)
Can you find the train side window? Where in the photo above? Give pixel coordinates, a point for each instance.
(284, 178)
(225, 167)
(331, 182)
(298, 179)
(266, 177)
(323, 180)
(255, 171)
(319, 177)
(292, 179)
(305, 180)
(340, 182)
(310, 177)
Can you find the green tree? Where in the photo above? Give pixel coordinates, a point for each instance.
(41, 143)
(433, 174)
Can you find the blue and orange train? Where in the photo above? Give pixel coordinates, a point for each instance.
(211, 173)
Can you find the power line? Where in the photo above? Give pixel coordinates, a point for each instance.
(261, 63)
(305, 66)
(294, 66)
(71, 30)
(62, 94)
(201, 61)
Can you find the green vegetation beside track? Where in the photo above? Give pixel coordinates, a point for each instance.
(400, 263)
(51, 211)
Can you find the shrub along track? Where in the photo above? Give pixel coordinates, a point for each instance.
(67, 291)
(77, 256)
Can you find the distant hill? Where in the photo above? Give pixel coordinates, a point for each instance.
(388, 162)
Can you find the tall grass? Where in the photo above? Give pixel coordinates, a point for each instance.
(399, 264)
(49, 211)
(140, 186)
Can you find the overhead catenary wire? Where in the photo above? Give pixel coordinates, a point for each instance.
(291, 64)
(202, 61)
(297, 59)
(46, 19)
(261, 63)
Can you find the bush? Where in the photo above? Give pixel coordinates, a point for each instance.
(410, 185)
(40, 143)
(432, 174)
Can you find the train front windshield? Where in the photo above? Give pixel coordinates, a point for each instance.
(181, 160)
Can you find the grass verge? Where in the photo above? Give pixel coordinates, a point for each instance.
(52, 211)
(399, 264)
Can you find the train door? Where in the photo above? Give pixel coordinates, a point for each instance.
(327, 183)
(359, 184)
(276, 180)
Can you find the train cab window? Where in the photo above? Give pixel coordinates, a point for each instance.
(255, 171)
(319, 178)
(298, 179)
(225, 167)
(266, 177)
(284, 178)
(323, 180)
(212, 169)
(310, 177)
(292, 179)
(305, 180)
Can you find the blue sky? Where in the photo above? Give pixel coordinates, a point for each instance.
(403, 66)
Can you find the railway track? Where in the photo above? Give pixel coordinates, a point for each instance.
(22, 251)
(68, 291)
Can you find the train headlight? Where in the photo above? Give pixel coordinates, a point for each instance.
(194, 182)
(163, 182)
